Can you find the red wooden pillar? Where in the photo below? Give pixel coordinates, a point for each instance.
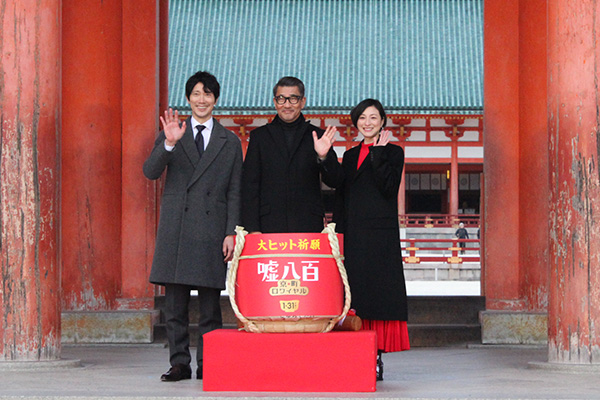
(534, 190)
(142, 28)
(515, 169)
(454, 136)
(402, 188)
(402, 194)
(402, 135)
(454, 178)
(163, 58)
(574, 129)
(29, 177)
(91, 157)
(501, 153)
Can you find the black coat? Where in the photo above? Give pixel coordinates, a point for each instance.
(199, 207)
(462, 233)
(281, 190)
(367, 214)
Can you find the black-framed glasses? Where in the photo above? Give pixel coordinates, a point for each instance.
(293, 99)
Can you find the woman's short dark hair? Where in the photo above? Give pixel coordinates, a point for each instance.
(208, 80)
(362, 106)
(289, 81)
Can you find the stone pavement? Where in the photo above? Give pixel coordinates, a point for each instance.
(477, 372)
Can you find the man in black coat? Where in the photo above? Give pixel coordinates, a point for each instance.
(285, 161)
(462, 233)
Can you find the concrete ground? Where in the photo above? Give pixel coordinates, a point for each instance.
(477, 372)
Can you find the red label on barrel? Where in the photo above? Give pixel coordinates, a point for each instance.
(289, 275)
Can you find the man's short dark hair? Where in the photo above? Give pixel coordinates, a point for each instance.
(362, 106)
(289, 81)
(208, 80)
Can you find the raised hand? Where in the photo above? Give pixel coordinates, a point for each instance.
(173, 131)
(384, 138)
(324, 143)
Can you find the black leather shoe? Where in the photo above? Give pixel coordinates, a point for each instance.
(379, 373)
(379, 368)
(177, 373)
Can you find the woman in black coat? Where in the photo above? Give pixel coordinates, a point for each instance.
(367, 214)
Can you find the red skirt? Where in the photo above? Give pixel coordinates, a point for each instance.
(391, 335)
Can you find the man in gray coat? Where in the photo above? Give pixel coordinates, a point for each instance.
(200, 208)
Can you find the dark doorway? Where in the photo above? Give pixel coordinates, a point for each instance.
(468, 201)
(425, 202)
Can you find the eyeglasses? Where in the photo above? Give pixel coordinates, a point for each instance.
(281, 99)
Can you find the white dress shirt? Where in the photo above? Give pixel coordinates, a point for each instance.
(208, 127)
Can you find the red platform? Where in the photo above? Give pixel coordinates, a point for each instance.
(289, 362)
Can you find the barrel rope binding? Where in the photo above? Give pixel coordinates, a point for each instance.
(240, 240)
(335, 250)
(232, 277)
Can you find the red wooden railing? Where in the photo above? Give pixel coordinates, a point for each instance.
(432, 220)
(413, 254)
(438, 220)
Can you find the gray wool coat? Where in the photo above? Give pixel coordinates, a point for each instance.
(200, 206)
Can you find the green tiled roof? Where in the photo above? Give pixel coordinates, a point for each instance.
(415, 56)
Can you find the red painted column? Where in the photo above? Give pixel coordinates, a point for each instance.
(141, 87)
(29, 177)
(574, 129)
(402, 194)
(482, 235)
(501, 154)
(163, 59)
(454, 177)
(402, 135)
(534, 190)
(91, 157)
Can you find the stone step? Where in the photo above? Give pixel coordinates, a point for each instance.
(226, 310)
(433, 320)
(439, 335)
(421, 309)
(443, 272)
(421, 335)
(445, 309)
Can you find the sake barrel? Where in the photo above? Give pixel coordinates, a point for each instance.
(291, 282)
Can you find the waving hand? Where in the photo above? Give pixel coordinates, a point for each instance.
(324, 143)
(173, 131)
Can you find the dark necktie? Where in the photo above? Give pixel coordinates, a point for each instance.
(200, 139)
